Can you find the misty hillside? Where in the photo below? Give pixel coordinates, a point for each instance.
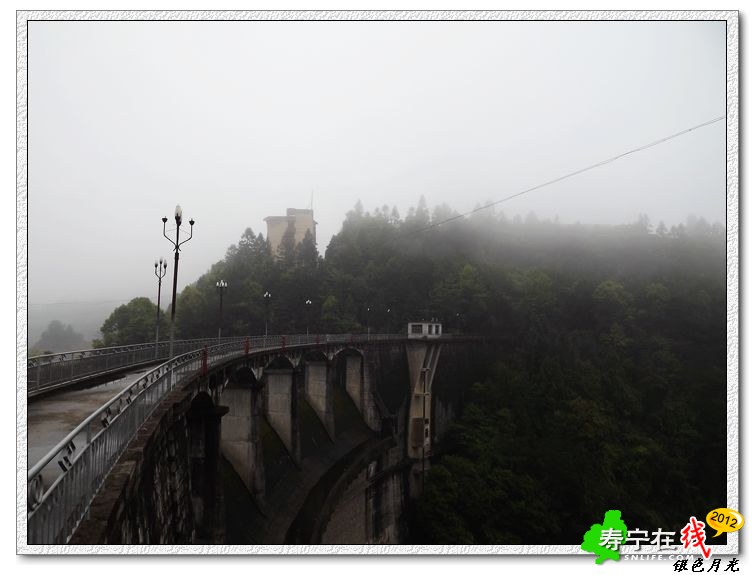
(609, 389)
(471, 273)
(85, 318)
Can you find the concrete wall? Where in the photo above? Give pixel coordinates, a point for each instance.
(387, 499)
(318, 385)
(281, 397)
(354, 379)
(276, 227)
(423, 360)
(304, 220)
(373, 413)
(163, 489)
(241, 442)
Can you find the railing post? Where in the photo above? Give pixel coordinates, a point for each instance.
(246, 346)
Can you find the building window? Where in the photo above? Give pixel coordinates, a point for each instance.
(417, 328)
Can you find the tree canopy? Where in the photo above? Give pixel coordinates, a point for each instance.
(133, 322)
(474, 274)
(610, 391)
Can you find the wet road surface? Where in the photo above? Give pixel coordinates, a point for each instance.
(51, 418)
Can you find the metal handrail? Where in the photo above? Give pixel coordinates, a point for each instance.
(49, 371)
(55, 512)
(34, 360)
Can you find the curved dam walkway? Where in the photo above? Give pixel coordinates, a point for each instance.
(52, 417)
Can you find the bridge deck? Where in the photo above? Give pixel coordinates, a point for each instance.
(51, 418)
(56, 509)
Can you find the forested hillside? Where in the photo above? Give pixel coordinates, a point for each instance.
(610, 390)
(483, 273)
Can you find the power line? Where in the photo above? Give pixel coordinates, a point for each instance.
(564, 177)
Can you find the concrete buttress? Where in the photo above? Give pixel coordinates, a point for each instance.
(422, 357)
(318, 388)
(281, 407)
(354, 380)
(241, 441)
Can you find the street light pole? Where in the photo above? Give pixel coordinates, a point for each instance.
(307, 305)
(368, 322)
(267, 297)
(178, 216)
(222, 285)
(161, 268)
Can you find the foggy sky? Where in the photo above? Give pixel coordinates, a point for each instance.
(240, 120)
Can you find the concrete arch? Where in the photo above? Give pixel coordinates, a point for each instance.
(349, 390)
(346, 351)
(281, 361)
(313, 355)
(244, 376)
(202, 404)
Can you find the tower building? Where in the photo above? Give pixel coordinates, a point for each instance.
(301, 221)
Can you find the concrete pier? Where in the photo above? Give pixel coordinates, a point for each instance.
(318, 392)
(281, 408)
(241, 441)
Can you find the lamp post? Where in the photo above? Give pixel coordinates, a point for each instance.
(307, 306)
(178, 216)
(267, 297)
(222, 285)
(161, 268)
(368, 321)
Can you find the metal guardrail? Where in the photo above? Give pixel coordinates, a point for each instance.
(45, 372)
(55, 512)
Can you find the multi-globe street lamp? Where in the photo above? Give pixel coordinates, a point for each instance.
(221, 285)
(267, 297)
(178, 216)
(161, 268)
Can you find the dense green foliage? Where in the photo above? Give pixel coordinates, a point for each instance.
(475, 274)
(133, 322)
(610, 393)
(610, 390)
